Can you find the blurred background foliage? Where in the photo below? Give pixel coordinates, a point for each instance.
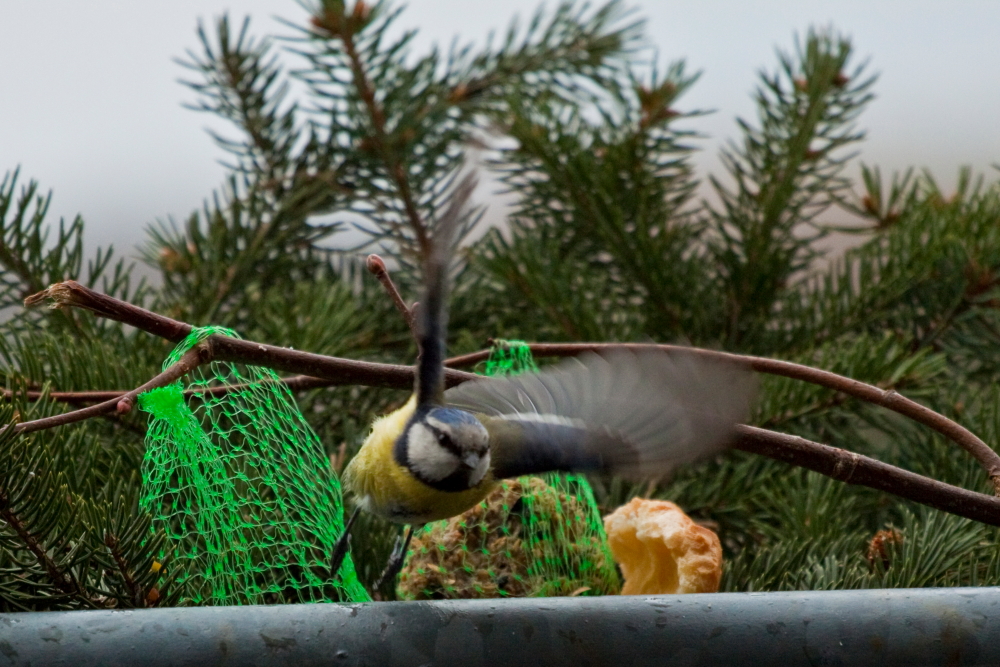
(607, 239)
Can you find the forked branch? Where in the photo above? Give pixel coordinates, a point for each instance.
(122, 404)
(837, 463)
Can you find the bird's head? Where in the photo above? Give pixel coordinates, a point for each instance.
(445, 448)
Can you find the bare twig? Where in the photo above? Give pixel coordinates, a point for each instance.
(345, 371)
(377, 268)
(72, 293)
(887, 399)
(840, 464)
(191, 359)
(332, 370)
(296, 383)
(335, 370)
(851, 468)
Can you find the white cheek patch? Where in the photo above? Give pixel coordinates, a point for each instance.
(426, 455)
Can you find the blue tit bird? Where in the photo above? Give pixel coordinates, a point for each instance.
(633, 414)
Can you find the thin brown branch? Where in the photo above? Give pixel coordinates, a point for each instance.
(886, 398)
(851, 468)
(72, 293)
(840, 464)
(334, 370)
(345, 371)
(376, 266)
(325, 371)
(122, 404)
(296, 383)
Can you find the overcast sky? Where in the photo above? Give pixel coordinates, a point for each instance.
(90, 104)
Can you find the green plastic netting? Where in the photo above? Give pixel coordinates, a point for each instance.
(240, 484)
(534, 536)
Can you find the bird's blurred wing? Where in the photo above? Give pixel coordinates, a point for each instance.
(635, 414)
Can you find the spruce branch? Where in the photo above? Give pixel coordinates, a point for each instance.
(130, 556)
(336, 22)
(242, 82)
(402, 124)
(135, 592)
(10, 258)
(39, 532)
(601, 202)
(786, 172)
(64, 581)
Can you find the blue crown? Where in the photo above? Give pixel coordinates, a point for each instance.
(452, 416)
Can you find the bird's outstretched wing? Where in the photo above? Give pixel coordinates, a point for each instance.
(635, 414)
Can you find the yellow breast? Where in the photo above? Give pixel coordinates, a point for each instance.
(382, 486)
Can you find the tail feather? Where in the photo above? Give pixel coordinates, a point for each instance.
(432, 314)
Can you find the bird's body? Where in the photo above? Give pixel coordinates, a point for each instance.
(384, 487)
(633, 414)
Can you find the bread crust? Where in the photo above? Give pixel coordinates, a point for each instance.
(661, 550)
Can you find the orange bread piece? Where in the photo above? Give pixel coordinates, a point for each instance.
(661, 550)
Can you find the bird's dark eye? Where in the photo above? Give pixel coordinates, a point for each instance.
(445, 440)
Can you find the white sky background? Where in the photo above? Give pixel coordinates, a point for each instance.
(90, 105)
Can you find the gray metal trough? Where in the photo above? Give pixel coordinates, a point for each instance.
(953, 626)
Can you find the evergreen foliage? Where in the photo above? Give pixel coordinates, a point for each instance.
(606, 241)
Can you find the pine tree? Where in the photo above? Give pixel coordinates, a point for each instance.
(607, 241)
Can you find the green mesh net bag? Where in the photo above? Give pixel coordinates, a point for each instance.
(534, 536)
(241, 485)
